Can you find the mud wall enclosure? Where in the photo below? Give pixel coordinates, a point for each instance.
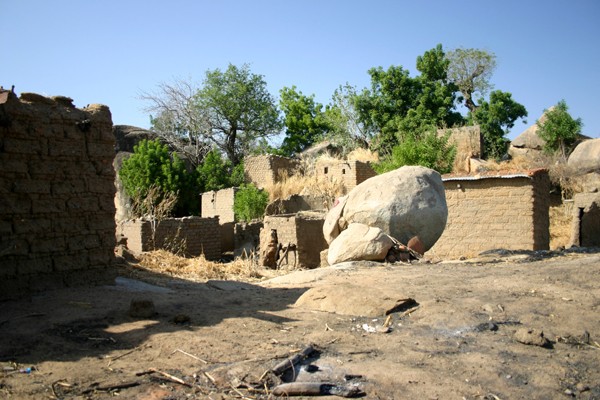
(57, 191)
(507, 211)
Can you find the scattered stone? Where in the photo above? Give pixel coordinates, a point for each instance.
(531, 337)
(142, 308)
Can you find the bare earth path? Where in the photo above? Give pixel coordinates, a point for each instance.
(455, 340)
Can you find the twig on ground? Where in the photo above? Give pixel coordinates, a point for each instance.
(108, 388)
(189, 355)
(170, 377)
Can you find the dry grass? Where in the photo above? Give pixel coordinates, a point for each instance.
(560, 225)
(364, 155)
(199, 268)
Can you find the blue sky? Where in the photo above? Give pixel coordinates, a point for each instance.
(109, 51)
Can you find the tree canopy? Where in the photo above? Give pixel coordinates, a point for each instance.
(231, 111)
(559, 129)
(471, 71)
(304, 120)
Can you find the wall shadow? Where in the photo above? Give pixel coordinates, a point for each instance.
(73, 323)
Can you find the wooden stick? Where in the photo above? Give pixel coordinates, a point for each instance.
(190, 355)
(164, 374)
(108, 388)
(290, 362)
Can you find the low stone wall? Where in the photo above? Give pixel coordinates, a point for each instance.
(498, 211)
(305, 230)
(57, 188)
(201, 235)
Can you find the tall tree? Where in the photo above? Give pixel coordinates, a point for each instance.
(559, 130)
(471, 70)
(176, 119)
(496, 118)
(346, 129)
(239, 110)
(304, 120)
(231, 111)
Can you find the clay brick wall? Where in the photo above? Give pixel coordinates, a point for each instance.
(57, 191)
(350, 173)
(586, 220)
(220, 204)
(495, 212)
(267, 169)
(201, 235)
(305, 230)
(468, 142)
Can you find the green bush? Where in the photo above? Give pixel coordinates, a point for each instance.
(152, 165)
(215, 173)
(428, 150)
(250, 203)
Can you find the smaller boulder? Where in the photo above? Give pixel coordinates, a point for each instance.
(359, 242)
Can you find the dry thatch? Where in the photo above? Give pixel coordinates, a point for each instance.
(197, 269)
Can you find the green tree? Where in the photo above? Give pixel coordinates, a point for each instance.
(238, 109)
(215, 173)
(304, 121)
(231, 111)
(559, 129)
(398, 105)
(496, 118)
(345, 128)
(250, 203)
(152, 165)
(471, 70)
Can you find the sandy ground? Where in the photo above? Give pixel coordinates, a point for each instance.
(451, 334)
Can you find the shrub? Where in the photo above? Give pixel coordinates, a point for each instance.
(215, 173)
(153, 166)
(250, 203)
(428, 150)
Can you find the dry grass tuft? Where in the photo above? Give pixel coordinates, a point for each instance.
(364, 155)
(199, 268)
(307, 183)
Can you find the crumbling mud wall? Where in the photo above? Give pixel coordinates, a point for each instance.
(350, 173)
(266, 170)
(469, 144)
(305, 230)
(191, 236)
(57, 193)
(499, 211)
(586, 220)
(220, 204)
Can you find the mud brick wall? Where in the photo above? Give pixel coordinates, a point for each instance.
(220, 204)
(267, 169)
(495, 212)
(201, 235)
(57, 193)
(246, 237)
(468, 142)
(305, 230)
(350, 173)
(586, 220)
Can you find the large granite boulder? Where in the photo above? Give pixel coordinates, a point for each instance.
(586, 155)
(359, 242)
(404, 203)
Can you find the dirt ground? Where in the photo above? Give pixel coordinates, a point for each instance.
(450, 334)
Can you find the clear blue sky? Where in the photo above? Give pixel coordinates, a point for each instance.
(109, 51)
